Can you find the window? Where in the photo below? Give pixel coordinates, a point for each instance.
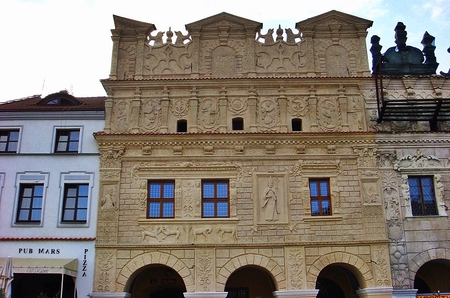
(320, 196)
(215, 198)
(160, 201)
(296, 124)
(75, 203)
(67, 140)
(30, 203)
(421, 190)
(9, 140)
(181, 126)
(237, 292)
(238, 124)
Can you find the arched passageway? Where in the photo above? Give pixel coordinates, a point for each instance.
(157, 281)
(250, 282)
(433, 276)
(337, 281)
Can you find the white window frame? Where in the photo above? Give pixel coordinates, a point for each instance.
(75, 178)
(55, 140)
(30, 178)
(19, 141)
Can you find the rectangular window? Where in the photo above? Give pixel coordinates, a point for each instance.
(215, 198)
(31, 197)
(161, 199)
(320, 196)
(67, 140)
(421, 190)
(9, 139)
(75, 206)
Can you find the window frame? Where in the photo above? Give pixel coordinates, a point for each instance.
(319, 197)
(215, 199)
(76, 208)
(237, 124)
(432, 192)
(8, 141)
(57, 142)
(22, 187)
(161, 200)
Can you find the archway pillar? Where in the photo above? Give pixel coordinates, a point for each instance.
(296, 294)
(404, 293)
(379, 292)
(110, 295)
(205, 294)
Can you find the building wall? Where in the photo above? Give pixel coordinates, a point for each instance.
(35, 161)
(141, 144)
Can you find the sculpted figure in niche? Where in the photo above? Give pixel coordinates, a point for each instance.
(270, 205)
(109, 199)
(268, 37)
(268, 112)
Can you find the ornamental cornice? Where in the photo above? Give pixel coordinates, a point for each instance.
(120, 246)
(234, 142)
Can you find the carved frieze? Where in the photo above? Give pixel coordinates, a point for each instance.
(208, 114)
(298, 106)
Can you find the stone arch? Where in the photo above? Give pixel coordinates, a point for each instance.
(421, 258)
(361, 270)
(237, 262)
(124, 278)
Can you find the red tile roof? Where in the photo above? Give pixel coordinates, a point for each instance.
(37, 103)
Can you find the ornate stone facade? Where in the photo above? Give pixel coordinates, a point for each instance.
(304, 103)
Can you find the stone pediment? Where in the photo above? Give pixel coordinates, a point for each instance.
(231, 23)
(131, 25)
(334, 21)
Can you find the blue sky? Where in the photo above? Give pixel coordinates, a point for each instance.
(53, 45)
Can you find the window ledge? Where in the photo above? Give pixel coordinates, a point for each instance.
(187, 220)
(412, 217)
(309, 218)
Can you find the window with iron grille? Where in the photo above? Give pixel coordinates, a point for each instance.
(320, 197)
(215, 198)
(31, 198)
(237, 292)
(9, 140)
(160, 200)
(421, 191)
(75, 206)
(67, 140)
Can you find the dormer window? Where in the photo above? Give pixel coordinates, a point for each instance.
(59, 99)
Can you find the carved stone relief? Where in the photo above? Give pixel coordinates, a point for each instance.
(381, 260)
(223, 62)
(271, 198)
(150, 118)
(204, 270)
(208, 114)
(179, 107)
(168, 58)
(237, 106)
(109, 197)
(120, 115)
(418, 160)
(329, 117)
(105, 262)
(298, 106)
(337, 62)
(295, 267)
(268, 114)
(126, 61)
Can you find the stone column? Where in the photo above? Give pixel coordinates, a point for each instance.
(205, 294)
(115, 53)
(296, 294)
(223, 110)
(282, 105)
(251, 101)
(110, 295)
(193, 108)
(379, 292)
(165, 111)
